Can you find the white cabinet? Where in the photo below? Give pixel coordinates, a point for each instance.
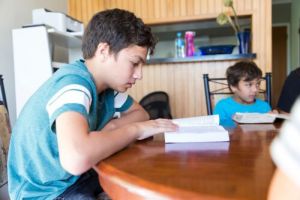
(37, 51)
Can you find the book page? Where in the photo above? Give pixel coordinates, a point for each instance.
(197, 129)
(197, 121)
(200, 133)
(200, 129)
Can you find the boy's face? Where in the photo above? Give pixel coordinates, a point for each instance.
(126, 67)
(246, 91)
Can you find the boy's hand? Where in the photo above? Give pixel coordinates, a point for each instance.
(274, 111)
(152, 127)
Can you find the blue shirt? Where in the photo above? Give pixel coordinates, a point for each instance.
(34, 169)
(227, 107)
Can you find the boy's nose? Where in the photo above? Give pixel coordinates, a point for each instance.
(255, 88)
(138, 73)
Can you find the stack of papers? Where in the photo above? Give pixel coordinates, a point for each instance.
(197, 129)
(256, 118)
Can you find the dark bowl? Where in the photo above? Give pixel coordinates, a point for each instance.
(217, 49)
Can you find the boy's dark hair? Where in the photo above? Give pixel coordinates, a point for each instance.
(119, 29)
(246, 70)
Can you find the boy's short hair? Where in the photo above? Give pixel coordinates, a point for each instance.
(119, 29)
(246, 70)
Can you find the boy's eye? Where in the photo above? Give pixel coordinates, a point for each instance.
(135, 64)
(258, 84)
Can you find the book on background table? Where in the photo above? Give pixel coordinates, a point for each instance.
(257, 118)
(197, 129)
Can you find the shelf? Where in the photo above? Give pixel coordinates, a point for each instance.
(57, 65)
(219, 57)
(203, 28)
(65, 39)
(39, 51)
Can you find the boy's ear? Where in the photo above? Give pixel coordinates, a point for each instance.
(102, 50)
(233, 88)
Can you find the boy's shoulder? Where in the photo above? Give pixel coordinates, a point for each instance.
(76, 71)
(77, 67)
(225, 103)
(260, 101)
(227, 100)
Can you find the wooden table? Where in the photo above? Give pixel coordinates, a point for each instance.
(151, 169)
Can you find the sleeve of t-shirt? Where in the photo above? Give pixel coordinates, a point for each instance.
(122, 102)
(266, 107)
(285, 149)
(219, 110)
(71, 94)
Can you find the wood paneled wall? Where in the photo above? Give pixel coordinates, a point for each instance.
(159, 11)
(182, 81)
(186, 98)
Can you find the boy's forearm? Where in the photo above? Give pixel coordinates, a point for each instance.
(111, 141)
(136, 115)
(133, 116)
(89, 148)
(80, 149)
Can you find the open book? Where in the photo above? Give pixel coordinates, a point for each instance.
(197, 129)
(255, 118)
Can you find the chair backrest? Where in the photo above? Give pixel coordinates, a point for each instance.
(2, 94)
(5, 131)
(221, 88)
(157, 105)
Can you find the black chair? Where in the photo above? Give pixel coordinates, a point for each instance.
(157, 105)
(223, 89)
(2, 94)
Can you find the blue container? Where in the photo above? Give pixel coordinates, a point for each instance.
(217, 49)
(244, 41)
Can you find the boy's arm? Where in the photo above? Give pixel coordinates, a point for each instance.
(80, 149)
(135, 113)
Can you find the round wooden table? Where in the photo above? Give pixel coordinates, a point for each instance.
(151, 169)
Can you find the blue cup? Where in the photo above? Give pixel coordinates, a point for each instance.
(244, 42)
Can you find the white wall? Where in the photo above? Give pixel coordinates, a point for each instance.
(14, 14)
(295, 24)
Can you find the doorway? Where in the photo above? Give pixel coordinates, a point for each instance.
(279, 61)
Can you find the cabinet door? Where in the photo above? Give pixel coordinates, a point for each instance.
(32, 62)
(151, 11)
(34, 50)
